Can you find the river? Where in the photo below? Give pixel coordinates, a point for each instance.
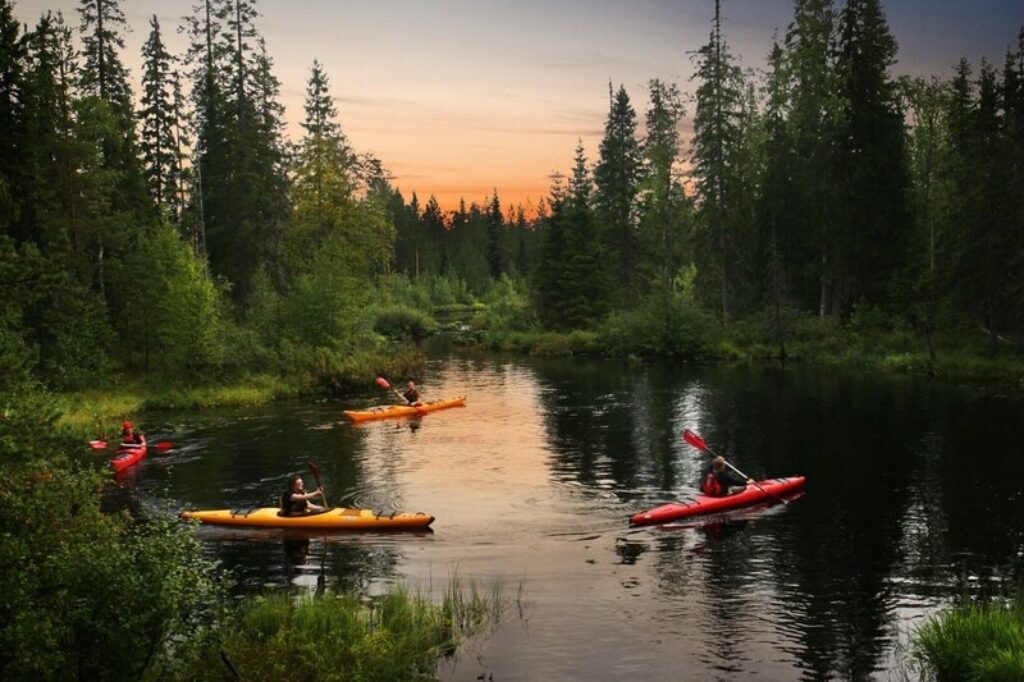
(914, 499)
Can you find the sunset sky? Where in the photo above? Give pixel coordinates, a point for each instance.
(461, 97)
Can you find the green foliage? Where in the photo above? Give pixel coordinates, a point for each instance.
(678, 327)
(973, 643)
(87, 595)
(176, 315)
(395, 636)
(400, 322)
(508, 307)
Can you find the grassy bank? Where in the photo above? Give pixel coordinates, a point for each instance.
(973, 643)
(99, 409)
(868, 341)
(399, 635)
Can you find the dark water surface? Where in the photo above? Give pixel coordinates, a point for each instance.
(914, 498)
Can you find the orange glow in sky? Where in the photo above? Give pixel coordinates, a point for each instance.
(459, 98)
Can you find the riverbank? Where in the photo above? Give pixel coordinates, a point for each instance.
(875, 345)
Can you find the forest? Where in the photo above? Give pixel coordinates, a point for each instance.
(178, 233)
(822, 210)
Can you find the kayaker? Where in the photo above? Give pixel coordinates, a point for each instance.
(717, 481)
(411, 394)
(296, 500)
(130, 439)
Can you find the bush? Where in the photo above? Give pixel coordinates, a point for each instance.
(86, 594)
(400, 322)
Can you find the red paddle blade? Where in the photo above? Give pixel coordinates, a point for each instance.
(98, 444)
(163, 445)
(694, 440)
(382, 382)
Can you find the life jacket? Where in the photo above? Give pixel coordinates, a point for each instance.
(711, 485)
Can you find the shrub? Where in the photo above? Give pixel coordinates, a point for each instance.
(400, 322)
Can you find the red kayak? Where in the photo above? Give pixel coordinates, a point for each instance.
(128, 455)
(774, 489)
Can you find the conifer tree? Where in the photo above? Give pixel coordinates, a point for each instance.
(717, 146)
(617, 180)
(662, 194)
(157, 140)
(11, 65)
(807, 239)
(497, 258)
(873, 220)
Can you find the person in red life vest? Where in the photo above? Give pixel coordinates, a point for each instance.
(717, 480)
(130, 439)
(296, 501)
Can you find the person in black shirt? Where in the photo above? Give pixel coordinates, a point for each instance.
(717, 480)
(296, 501)
(411, 394)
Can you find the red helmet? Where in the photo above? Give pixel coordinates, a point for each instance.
(126, 425)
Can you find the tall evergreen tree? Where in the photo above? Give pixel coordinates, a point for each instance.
(11, 65)
(662, 193)
(157, 140)
(103, 74)
(241, 172)
(807, 239)
(617, 180)
(497, 238)
(874, 226)
(717, 145)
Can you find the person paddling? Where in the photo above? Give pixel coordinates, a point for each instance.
(411, 394)
(296, 501)
(130, 439)
(717, 480)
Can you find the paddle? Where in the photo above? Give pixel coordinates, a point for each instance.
(698, 442)
(383, 383)
(316, 474)
(162, 445)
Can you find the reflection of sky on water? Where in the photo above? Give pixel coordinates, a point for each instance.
(533, 481)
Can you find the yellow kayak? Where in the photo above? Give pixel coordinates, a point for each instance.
(387, 411)
(335, 518)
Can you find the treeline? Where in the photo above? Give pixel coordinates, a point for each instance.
(181, 233)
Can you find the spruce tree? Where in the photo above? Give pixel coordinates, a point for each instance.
(11, 65)
(157, 139)
(873, 218)
(617, 180)
(662, 194)
(717, 146)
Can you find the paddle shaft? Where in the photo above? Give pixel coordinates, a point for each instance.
(316, 474)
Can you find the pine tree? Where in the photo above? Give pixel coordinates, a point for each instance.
(807, 240)
(11, 65)
(662, 194)
(874, 223)
(717, 145)
(617, 180)
(497, 237)
(158, 141)
(103, 74)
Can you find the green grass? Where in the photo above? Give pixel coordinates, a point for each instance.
(399, 635)
(99, 411)
(973, 643)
